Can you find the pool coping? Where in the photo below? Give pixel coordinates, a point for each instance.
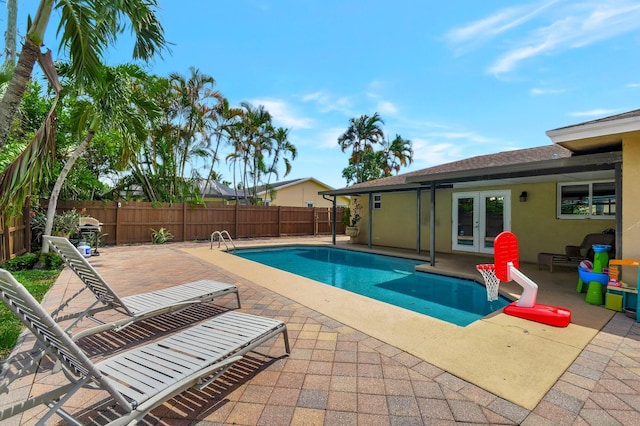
(495, 353)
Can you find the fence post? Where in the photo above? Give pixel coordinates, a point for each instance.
(279, 221)
(184, 221)
(26, 217)
(235, 220)
(5, 240)
(118, 207)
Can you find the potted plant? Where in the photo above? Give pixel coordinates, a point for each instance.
(350, 218)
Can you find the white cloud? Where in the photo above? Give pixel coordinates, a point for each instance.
(328, 103)
(282, 113)
(386, 107)
(428, 153)
(329, 137)
(486, 29)
(549, 30)
(593, 113)
(538, 91)
(633, 85)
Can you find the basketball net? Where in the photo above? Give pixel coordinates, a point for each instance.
(488, 271)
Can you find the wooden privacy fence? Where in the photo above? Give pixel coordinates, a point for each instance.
(132, 222)
(15, 236)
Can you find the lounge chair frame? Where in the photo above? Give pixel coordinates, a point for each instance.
(134, 308)
(146, 376)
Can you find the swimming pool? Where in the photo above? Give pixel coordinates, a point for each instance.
(385, 278)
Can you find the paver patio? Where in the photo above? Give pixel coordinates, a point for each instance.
(335, 374)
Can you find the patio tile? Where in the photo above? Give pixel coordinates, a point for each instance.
(307, 417)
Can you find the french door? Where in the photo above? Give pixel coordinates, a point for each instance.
(478, 218)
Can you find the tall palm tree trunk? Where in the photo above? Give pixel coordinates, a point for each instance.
(17, 86)
(53, 198)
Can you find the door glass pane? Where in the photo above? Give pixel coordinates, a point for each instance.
(465, 221)
(494, 219)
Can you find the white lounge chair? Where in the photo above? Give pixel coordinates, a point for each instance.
(142, 378)
(136, 307)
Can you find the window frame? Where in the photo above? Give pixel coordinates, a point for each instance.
(590, 206)
(377, 201)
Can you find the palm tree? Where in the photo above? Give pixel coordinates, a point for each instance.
(193, 114)
(253, 142)
(10, 36)
(396, 154)
(361, 135)
(86, 28)
(224, 117)
(116, 101)
(282, 149)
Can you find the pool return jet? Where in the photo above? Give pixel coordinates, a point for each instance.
(505, 268)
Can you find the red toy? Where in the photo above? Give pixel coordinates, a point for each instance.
(506, 269)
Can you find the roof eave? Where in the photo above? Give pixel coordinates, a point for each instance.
(536, 168)
(594, 130)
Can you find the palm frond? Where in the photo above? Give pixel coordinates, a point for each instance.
(17, 180)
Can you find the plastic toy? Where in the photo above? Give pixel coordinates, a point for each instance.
(506, 269)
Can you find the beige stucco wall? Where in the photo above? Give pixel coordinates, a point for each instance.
(631, 200)
(298, 195)
(533, 222)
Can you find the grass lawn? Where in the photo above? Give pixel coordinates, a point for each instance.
(37, 282)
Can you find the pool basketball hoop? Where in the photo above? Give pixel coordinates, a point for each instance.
(505, 268)
(488, 272)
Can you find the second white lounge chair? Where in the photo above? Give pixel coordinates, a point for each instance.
(134, 308)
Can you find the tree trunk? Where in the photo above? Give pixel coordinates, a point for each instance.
(53, 198)
(15, 91)
(10, 35)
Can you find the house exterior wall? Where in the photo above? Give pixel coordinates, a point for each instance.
(631, 201)
(534, 222)
(298, 195)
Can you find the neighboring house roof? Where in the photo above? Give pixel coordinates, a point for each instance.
(507, 165)
(288, 183)
(215, 189)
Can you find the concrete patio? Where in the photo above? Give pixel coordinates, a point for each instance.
(359, 369)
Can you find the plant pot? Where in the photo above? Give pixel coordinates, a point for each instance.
(352, 231)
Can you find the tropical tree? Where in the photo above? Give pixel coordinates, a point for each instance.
(193, 114)
(10, 36)
(396, 154)
(361, 135)
(184, 133)
(252, 142)
(282, 150)
(370, 168)
(224, 117)
(116, 101)
(86, 28)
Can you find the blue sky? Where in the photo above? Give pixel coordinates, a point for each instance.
(457, 78)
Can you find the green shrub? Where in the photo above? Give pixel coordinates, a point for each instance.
(52, 261)
(161, 236)
(21, 263)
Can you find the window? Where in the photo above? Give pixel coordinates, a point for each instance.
(310, 203)
(596, 200)
(377, 201)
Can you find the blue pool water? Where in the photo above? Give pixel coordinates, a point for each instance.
(385, 278)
